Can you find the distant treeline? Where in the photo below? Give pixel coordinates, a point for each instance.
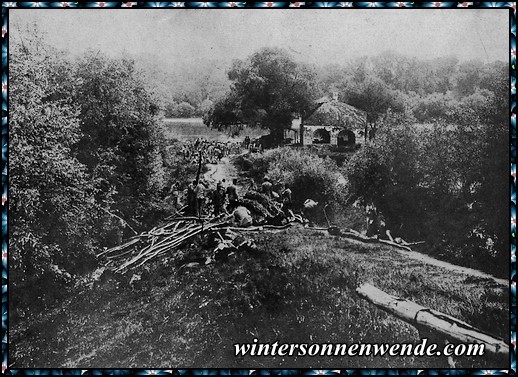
(427, 88)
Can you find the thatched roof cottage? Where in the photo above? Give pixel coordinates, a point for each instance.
(331, 122)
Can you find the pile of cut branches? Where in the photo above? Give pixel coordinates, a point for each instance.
(158, 241)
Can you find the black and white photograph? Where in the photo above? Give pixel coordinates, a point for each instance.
(320, 189)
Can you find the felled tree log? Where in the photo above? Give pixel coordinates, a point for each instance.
(437, 322)
(387, 242)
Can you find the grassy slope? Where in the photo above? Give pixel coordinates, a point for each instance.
(299, 287)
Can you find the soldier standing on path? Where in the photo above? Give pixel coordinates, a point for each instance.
(286, 200)
(199, 191)
(232, 195)
(372, 220)
(266, 187)
(192, 208)
(218, 199)
(175, 195)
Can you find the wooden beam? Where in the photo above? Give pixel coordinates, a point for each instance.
(417, 315)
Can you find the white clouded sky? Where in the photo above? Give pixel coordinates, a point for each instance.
(317, 36)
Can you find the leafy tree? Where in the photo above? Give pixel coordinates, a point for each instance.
(268, 88)
(224, 113)
(494, 160)
(368, 175)
(123, 141)
(433, 107)
(179, 110)
(205, 107)
(52, 196)
(374, 97)
(185, 110)
(467, 79)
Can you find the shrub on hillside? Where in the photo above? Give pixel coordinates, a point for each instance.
(307, 175)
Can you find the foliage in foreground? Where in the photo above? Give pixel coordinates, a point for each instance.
(306, 174)
(85, 145)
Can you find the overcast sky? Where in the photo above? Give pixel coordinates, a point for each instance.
(317, 36)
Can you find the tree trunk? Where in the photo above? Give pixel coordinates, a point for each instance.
(301, 132)
(443, 325)
(277, 135)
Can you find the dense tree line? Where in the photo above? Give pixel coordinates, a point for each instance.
(86, 150)
(270, 88)
(373, 84)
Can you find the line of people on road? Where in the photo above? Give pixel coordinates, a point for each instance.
(203, 200)
(200, 198)
(210, 151)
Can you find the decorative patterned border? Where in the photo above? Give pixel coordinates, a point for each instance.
(5, 64)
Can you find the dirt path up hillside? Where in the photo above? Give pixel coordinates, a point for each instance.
(222, 170)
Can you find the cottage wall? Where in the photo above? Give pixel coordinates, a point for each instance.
(334, 117)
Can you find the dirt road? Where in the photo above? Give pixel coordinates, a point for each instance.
(222, 170)
(452, 267)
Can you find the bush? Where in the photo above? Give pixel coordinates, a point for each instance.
(86, 143)
(307, 175)
(50, 219)
(368, 175)
(430, 185)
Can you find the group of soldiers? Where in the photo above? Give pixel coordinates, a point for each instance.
(202, 200)
(210, 152)
(199, 197)
(252, 145)
(224, 198)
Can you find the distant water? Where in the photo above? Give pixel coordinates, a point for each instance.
(192, 128)
(183, 120)
(185, 129)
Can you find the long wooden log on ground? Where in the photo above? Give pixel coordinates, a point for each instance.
(386, 242)
(414, 243)
(118, 217)
(317, 227)
(449, 327)
(193, 218)
(254, 228)
(119, 247)
(133, 240)
(358, 237)
(148, 248)
(176, 214)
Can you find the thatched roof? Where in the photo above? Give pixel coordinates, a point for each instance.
(337, 114)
